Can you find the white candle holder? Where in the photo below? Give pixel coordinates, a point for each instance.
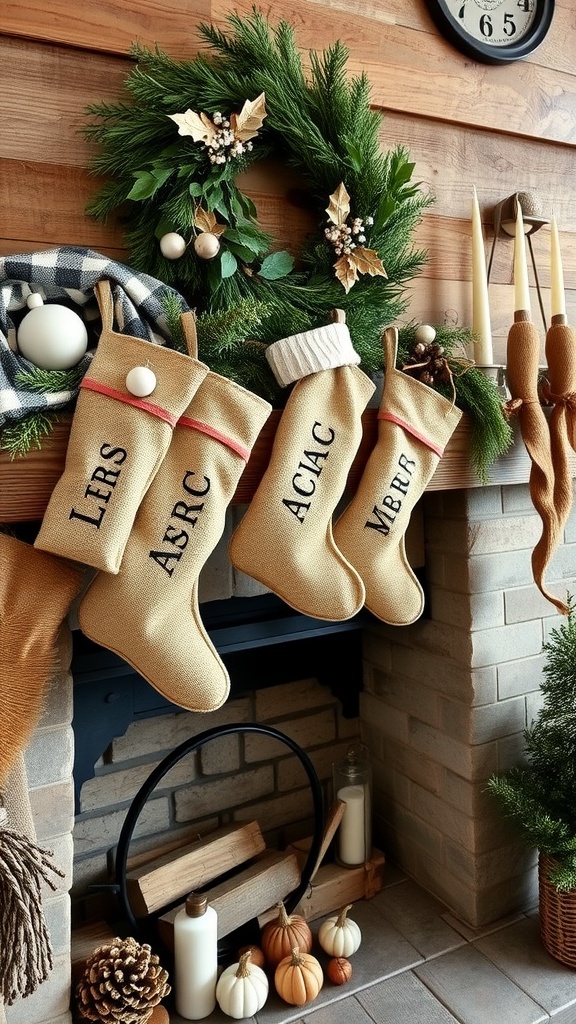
(352, 779)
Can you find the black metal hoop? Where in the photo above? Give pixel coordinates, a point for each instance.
(138, 927)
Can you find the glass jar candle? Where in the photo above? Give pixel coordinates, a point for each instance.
(352, 780)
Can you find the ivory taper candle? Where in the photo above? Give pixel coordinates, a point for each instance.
(483, 353)
(557, 295)
(521, 286)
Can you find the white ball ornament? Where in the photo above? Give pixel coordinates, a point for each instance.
(141, 381)
(172, 245)
(52, 337)
(425, 334)
(206, 245)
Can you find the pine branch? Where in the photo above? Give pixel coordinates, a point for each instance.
(28, 433)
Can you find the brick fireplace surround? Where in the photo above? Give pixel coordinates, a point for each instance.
(444, 704)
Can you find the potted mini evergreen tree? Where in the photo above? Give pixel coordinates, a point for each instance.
(540, 796)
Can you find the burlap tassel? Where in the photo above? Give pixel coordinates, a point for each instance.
(523, 358)
(26, 952)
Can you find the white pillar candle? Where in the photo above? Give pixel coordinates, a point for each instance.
(557, 295)
(483, 353)
(351, 832)
(521, 286)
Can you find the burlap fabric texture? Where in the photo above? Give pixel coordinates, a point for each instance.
(523, 356)
(285, 538)
(36, 591)
(116, 445)
(414, 425)
(148, 613)
(561, 392)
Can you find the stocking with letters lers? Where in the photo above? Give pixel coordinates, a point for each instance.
(148, 613)
(119, 434)
(285, 538)
(415, 424)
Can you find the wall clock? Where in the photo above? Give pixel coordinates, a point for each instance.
(493, 31)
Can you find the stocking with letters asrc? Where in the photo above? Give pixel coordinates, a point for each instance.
(148, 613)
(285, 538)
(414, 425)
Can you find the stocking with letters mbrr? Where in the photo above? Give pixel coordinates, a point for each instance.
(415, 424)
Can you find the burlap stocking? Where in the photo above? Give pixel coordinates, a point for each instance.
(148, 613)
(285, 538)
(415, 424)
(117, 441)
(523, 356)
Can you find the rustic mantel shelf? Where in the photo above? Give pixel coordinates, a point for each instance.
(27, 482)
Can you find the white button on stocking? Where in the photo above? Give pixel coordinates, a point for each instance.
(140, 381)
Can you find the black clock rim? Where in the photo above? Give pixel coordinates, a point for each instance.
(483, 51)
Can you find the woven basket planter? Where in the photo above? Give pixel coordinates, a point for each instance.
(557, 916)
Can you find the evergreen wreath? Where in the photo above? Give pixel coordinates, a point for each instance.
(170, 154)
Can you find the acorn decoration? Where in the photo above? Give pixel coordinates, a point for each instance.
(123, 982)
(427, 360)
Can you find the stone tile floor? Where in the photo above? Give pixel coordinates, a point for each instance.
(419, 965)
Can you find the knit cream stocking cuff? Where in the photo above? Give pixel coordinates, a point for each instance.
(324, 348)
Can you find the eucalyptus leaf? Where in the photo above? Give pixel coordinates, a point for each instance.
(146, 184)
(240, 251)
(256, 245)
(276, 265)
(355, 154)
(228, 264)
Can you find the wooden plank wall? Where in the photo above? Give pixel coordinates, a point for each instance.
(466, 124)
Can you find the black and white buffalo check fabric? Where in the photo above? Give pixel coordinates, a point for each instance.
(67, 275)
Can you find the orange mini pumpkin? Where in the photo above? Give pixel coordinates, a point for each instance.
(280, 936)
(298, 978)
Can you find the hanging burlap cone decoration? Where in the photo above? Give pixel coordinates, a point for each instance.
(522, 377)
(123, 981)
(561, 391)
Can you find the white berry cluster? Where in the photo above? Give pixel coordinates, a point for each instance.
(224, 146)
(345, 237)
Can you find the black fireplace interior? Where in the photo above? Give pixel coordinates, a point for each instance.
(261, 641)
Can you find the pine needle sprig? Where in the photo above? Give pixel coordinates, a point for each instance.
(41, 381)
(20, 438)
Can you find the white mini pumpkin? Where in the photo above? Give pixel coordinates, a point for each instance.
(338, 935)
(242, 989)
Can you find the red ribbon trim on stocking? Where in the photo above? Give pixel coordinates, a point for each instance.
(205, 428)
(121, 396)
(436, 448)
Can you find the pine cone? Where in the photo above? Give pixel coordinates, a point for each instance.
(123, 981)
